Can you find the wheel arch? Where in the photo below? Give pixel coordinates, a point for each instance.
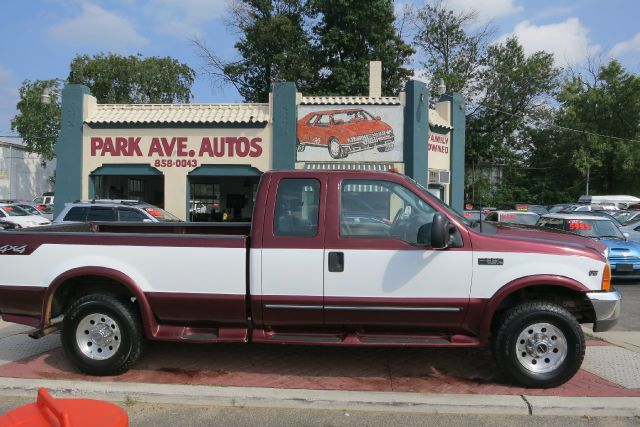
(563, 290)
(82, 281)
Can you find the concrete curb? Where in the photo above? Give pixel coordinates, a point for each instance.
(326, 399)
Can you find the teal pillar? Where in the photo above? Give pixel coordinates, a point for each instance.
(284, 126)
(458, 121)
(416, 131)
(69, 148)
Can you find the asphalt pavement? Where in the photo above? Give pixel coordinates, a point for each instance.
(630, 314)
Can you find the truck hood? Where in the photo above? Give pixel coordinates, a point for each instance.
(519, 238)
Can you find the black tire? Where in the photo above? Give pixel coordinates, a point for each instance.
(530, 337)
(117, 317)
(385, 148)
(340, 152)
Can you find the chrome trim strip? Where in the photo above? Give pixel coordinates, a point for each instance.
(293, 307)
(391, 308)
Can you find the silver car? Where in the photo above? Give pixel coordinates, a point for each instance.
(113, 210)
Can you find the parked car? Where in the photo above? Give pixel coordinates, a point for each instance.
(623, 254)
(45, 211)
(344, 131)
(617, 201)
(513, 217)
(627, 217)
(631, 230)
(20, 217)
(558, 207)
(5, 225)
(603, 214)
(113, 210)
(589, 208)
(46, 199)
(523, 207)
(300, 273)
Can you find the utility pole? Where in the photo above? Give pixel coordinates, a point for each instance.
(588, 170)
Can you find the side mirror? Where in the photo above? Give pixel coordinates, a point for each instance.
(424, 235)
(441, 231)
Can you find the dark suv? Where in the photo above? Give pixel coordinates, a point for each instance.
(113, 210)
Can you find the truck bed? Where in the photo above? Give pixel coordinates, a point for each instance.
(204, 228)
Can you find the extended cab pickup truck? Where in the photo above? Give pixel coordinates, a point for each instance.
(331, 258)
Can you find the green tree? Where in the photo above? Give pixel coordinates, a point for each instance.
(38, 123)
(349, 34)
(451, 44)
(111, 78)
(603, 111)
(324, 46)
(274, 46)
(116, 79)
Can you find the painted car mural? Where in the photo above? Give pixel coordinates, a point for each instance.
(344, 131)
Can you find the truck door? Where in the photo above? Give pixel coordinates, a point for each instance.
(376, 276)
(292, 253)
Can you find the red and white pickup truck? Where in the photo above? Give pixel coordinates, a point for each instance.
(331, 258)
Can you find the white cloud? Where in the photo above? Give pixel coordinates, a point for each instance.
(632, 45)
(487, 9)
(100, 29)
(185, 18)
(568, 40)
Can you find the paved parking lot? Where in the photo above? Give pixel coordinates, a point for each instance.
(630, 316)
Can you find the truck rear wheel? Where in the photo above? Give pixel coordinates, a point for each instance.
(102, 335)
(539, 344)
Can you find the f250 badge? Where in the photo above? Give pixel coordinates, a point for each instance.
(13, 250)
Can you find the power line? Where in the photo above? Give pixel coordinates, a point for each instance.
(584, 132)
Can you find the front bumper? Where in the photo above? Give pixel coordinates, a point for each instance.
(607, 308)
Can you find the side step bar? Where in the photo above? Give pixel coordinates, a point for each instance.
(263, 336)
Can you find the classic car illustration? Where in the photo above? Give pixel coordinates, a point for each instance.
(344, 131)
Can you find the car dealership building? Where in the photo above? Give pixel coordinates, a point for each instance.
(203, 161)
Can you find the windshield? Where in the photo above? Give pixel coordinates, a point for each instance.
(14, 211)
(437, 201)
(519, 218)
(161, 215)
(594, 228)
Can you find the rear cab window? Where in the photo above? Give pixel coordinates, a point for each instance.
(297, 207)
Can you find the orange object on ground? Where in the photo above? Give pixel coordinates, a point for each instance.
(50, 412)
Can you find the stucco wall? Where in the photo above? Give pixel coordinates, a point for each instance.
(22, 175)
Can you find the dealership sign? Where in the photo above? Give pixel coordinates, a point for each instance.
(438, 143)
(176, 147)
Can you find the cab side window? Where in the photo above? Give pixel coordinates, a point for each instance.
(297, 206)
(382, 209)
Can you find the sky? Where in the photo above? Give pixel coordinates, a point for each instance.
(41, 37)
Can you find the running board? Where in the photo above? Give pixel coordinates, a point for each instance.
(355, 339)
(199, 335)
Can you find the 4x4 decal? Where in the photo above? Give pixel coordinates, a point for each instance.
(14, 250)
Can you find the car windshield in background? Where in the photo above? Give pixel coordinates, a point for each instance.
(627, 217)
(14, 211)
(519, 218)
(161, 214)
(594, 228)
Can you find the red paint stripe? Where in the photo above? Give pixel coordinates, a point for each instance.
(21, 300)
(198, 308)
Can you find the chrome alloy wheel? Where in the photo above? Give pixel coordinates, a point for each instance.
(98, 336)
(541, 348)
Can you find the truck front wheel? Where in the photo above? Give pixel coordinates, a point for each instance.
(102, 335)
(539, 344)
